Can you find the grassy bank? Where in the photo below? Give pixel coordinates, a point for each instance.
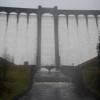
(91, 76)
(16, 81)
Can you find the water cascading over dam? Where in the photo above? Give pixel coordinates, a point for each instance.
(48, 36)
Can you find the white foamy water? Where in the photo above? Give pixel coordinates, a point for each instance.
(21, 46)
(98, 23)
(11, 36)
(47, 41)
(83, 39)
(32, 39)
(93, 36)
(73, 40)
(77, 43)
(64, 48)
(3, 26)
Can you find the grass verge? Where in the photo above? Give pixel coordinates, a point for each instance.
(91, 76)
(17, 81)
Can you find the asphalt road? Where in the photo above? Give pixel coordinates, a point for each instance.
(70, 89)
(55, 91)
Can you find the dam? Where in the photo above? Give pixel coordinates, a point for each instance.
(54, 47)
(49, 36)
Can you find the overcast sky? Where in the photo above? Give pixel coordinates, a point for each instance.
(62, 4)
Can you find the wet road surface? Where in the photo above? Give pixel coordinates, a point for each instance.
(55, 91)
(58, 90)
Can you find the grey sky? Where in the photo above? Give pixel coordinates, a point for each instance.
(62, 4)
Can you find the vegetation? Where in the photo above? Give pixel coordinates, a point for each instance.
(91, 76)
(13, 79)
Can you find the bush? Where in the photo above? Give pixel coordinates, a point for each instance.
(4, 65)
(91, 76)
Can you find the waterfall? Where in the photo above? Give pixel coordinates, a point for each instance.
(83, 39)
(21, 39)
(73, 40)
(77, 41)
(11, 36)
(93, 36)
(47, 41)
(32, 39)
(21, 46)
(3, 25)
(98, 24)
(63, 40)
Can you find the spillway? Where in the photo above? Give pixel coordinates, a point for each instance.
(47, 41)
(64, 40)
(32, 39)
(3, 27)
(10, 36)
(21, 39)
(74, 41)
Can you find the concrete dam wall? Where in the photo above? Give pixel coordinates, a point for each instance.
(75, 40)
